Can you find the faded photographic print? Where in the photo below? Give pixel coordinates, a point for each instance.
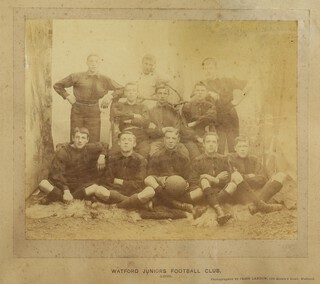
(161, 129)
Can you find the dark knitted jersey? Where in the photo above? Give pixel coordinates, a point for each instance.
(169, 162)
(132, 169)
(72, 166)
(249, 165)
(213, 166)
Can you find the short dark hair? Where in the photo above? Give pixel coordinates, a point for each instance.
(241, 138)
(126, 132)
(149, 57)
(161, 86)
(172, 130)
(200, 83)
(92, 55)
(210, 134)
(82, 130)
(130, 84)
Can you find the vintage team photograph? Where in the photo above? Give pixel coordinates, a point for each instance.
(161, 130)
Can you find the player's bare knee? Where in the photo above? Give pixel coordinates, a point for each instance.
(196, 194)
(149, 180)
(146, 194)
(280, 177)
(236, 178)
(204, 183)
(91, 189)
(231, 188)
(45, 186)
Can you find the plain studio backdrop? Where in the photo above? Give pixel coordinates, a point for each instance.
(262, 52)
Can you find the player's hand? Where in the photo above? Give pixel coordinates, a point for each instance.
(101, 162)
(208, 177)
(192, 124)
(105, 102)
(214, 95)
(152, 125)
(67, 196)
(238, 96)
(127, 121)
(223, 175)
(164, 129)
(118, 181)
(236, 177)
(200, 140)
(251, 175)
(136, 115)
(71, 99)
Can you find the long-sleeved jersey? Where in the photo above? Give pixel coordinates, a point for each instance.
(72, 167)
(131, 169)
(249, 165)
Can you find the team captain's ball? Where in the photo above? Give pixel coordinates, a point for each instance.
(176, 186)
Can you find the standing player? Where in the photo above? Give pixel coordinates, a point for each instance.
(149, 79)
(126, 171)
(134, 117)
(88, 88)
(227, 117)
(74, 172)
(201, 117)
(162, 117)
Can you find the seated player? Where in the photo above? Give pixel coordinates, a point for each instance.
(74, 172)
(162, 117)
(126, 171)
(134, 117)
(212, 171)
(249, 176)
(169, 162)
(201, 115)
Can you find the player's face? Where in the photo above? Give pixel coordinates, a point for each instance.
(211, 144)
(131, 93)
(147, 66)
(127, 142)
(163, 95)
(80, 140)
(93, 63)
(242, 149)
(209, 70)
(171, 140)
(200, 92)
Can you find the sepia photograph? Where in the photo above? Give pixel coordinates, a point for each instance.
(161, 129)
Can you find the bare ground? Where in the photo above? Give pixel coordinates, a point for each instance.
(96, 221)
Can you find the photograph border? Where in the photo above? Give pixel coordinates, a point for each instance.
(160, 249)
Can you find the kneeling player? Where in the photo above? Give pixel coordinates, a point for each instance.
(249, 176)
(126, 171)
(74, 171)
(168, 172)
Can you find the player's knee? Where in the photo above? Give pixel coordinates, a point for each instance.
(149, 180)
(204, 183)
(147, 194)
(196, 194)
(45, 186)
(280, 177)
(91, 189)
(236, 178)
(231, 188)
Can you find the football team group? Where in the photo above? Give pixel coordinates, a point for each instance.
(180, 156)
